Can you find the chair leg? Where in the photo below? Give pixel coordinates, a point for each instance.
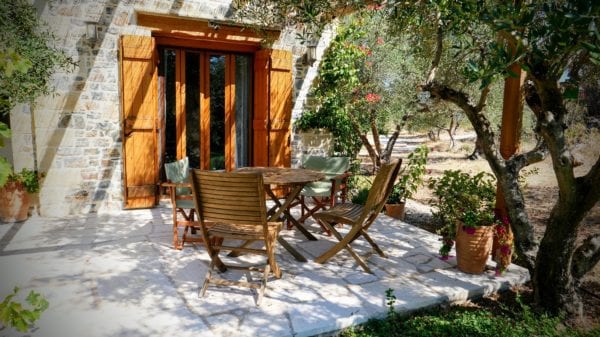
(263, 285)
(192, 218)
(271, 256)
(202, 292)
(373, 244)
(351, 251)
(176, 244)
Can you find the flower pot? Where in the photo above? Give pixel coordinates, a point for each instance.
(473, 249)
(14, 202)
(396, 211)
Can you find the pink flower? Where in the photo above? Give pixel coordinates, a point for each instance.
(505, 250)
(469, 230)
(369, 63)
(500, 230)
(373, 98)
(379, 40)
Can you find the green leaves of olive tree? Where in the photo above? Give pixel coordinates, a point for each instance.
(25, 41)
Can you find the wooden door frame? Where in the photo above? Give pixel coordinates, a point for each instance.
(204, 87)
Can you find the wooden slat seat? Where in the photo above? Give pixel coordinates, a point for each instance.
(245, 232)
(359, 217)
(232, 206)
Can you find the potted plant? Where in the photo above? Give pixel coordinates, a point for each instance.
(409, 180)
(14, 195)
(465, 210)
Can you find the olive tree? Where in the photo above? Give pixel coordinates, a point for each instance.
(549, 39)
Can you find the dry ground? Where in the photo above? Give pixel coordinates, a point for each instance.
(541, 193)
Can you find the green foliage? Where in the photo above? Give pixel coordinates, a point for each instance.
(411, 176)
(338, 76)
(462, 197)
(26, 41)
(465, 197)
(14, 314)
(5, 168)
(472, 322)
(28, 178)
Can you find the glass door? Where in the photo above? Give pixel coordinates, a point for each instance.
(206, 103)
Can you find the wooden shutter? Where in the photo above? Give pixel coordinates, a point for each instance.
(272, 108)
(139, 124)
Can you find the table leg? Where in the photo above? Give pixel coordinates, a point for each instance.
(284, 209)
(291, 250)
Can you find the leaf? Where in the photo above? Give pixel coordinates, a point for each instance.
(512, 73)
(5, 170)
(571, 93)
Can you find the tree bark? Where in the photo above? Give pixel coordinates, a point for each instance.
(389, 148)
(375, 159)
(554, 278)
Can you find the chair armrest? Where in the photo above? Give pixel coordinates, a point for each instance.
(173, 185)
(342, 176)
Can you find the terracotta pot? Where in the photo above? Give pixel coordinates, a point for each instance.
(396, 211)
(473, 250)
(14, 202)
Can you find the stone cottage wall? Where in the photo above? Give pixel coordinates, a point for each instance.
(74, 135)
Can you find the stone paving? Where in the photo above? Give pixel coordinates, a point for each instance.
(117, 275)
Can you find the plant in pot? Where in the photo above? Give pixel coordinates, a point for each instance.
(15, 195)
(409, 180)
(465, 212)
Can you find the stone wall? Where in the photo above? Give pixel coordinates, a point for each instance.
(76, 137)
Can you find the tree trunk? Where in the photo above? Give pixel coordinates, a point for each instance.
(477, 151)
(553, 283)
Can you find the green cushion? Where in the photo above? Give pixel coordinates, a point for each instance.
(182, 203)
(178, 172)
(331, 167)
(317, 189)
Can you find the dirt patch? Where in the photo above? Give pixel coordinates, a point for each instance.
(540, 193)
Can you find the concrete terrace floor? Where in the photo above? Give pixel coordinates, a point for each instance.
(117, 275)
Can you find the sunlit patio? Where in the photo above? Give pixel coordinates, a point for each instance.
(118, 275)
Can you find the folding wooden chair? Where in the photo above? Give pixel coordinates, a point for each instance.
(233, 206)
(324, 193)
(358, 216)
(180, 193)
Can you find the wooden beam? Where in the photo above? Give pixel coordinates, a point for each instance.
(176, 26)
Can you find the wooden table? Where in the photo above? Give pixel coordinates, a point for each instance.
(295, 179)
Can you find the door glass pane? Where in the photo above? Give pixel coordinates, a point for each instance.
(192, 108)
(243, 102)
(168, 69)
(217, 112)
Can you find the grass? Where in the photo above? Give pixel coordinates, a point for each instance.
(518, 321)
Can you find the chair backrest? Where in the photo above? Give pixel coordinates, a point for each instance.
(229, 197)
(178, 172)
(379, 192)
(331, 166)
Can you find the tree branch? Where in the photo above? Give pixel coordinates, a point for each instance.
(536, 155)
(506, 175)
(439, 45)
(587, 190)
(586, 256)
(483, 98)
(390, 145)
